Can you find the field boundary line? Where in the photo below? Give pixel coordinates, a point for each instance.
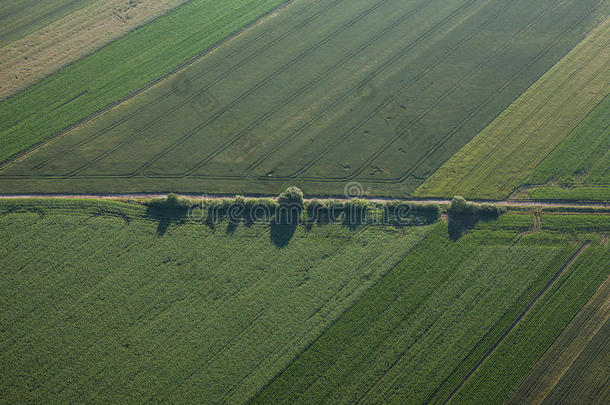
(41, 17)
(553, 73)
(523, 314)
(430, 322)
(467, 77)
(557, 89)
(125, 119)
(333, 322)
(142, 89)
(602, 309)
(309, 85)
(521, 101)
(477, 109)
(430, 107)
(228, 106)
(525, 97)
(590, 106)
(368, 78)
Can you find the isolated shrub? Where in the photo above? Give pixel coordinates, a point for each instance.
(291, 196)
(459, 206)
(171, 202)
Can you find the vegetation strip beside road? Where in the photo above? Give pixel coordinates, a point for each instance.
(199, 197)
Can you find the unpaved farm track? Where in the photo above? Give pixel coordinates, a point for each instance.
(140, 196)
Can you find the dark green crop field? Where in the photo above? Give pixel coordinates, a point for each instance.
(377, 91)
(574, 367)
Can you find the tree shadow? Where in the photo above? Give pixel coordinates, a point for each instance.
(460, 224)
(283, 227)
(166, 217)
(354, 218)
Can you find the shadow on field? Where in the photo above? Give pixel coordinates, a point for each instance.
(283, 227)
(460, 224)
(166, 217)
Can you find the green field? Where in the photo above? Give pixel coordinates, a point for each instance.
(105, 302)
(505, 154)
(500, 374)
(578, 352)
(19, 18)
(118, 69)
(418, 332)
(579, 168)
(377, 91)
(115, 302)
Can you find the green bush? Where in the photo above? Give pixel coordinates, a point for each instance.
(461, 207)
(171, 202)
(291, 196)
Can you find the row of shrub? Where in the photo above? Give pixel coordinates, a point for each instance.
(291, 202)
(461, 207)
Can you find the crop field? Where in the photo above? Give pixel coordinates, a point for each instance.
(19, 18)
(79, 33)
(115, 302)
(508, 151)
(377, 91)
(104, 302)
(579, 168)
(420, 330)
(501, 373)
(571, 356)
(116, 70)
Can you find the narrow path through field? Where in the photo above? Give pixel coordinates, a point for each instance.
(523, 314)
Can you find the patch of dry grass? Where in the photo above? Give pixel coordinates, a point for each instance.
(41, 53)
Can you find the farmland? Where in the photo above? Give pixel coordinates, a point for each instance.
(106, 302)
(120, 68)
(506, 153)
(418, 332)
(127, 304)
(499, 375)
(322, 93)
(579, 168)
(19, 18)
(80, 32)
(147, 257)
(571, 356)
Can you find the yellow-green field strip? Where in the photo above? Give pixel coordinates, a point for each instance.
(506, 152)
